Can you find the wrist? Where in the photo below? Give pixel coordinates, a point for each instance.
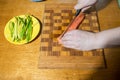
(108, 38)
(100, 41)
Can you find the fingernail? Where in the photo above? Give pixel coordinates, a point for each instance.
(59, 41)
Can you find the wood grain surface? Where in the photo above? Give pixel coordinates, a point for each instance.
(54, 55)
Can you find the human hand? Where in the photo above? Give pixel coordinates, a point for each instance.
(83, 40)
(84, 4)
(78, 39)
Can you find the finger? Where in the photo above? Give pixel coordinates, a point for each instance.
(86, 8)
(67, 38)
(68, 45)
(72, 46)
(71, 33)
(66, 41)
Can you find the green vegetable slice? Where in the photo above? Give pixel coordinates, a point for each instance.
(21, 28)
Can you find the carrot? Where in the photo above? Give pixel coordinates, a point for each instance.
(73, 25)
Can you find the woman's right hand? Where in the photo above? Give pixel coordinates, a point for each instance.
(84, 4)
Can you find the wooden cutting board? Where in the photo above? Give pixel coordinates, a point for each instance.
(53, 55)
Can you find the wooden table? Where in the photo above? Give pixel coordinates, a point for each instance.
(20, 62)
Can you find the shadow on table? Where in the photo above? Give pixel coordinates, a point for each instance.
(112, 72)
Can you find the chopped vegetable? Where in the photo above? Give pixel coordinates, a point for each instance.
(21, 28)
(29, 28)
(11, 28)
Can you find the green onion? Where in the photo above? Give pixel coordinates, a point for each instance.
(29, 29)
(21, 28)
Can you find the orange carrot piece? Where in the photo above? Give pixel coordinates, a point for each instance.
(73, 25)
